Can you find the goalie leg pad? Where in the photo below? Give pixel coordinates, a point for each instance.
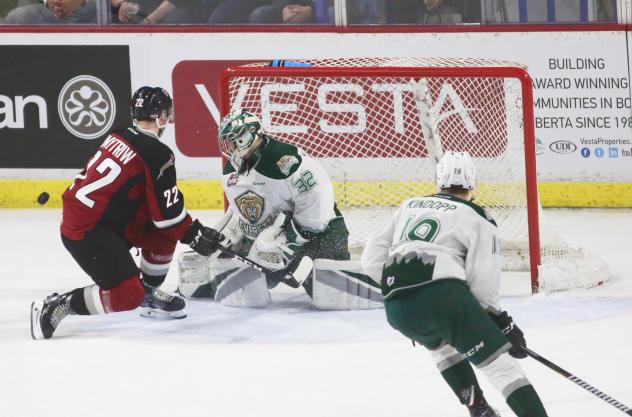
(238, 285)
(342, 285)
(226, 280)
(194, 275)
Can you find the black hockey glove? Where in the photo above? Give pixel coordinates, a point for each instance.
(514, 334)
(204, 240)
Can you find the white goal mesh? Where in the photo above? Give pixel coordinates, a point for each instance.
(361, 119)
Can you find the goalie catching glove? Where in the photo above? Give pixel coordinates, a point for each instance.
(514, 334)
(204, 240)
(276, 246)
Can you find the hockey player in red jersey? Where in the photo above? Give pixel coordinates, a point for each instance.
(126, 197)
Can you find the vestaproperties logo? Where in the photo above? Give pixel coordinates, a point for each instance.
(540, 148)
(86, 106)
(563, 146)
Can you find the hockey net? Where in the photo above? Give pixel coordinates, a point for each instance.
(363, 119)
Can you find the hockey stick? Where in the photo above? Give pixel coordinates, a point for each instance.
(578, 381)
(297, 277)
(300, 274)
(427, 120)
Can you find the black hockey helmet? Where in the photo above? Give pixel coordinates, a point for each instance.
(149, 102)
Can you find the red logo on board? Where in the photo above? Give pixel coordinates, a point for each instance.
(196, 100)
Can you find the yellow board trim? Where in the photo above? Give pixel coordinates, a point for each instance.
(200, 194)
(585, 194)
(24, 193)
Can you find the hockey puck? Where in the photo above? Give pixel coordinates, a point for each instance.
(43, 198)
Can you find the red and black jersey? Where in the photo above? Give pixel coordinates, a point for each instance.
(128, 185)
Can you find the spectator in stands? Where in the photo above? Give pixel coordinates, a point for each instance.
(300, 11)
(5, 7)
(54, 12)
(235, 11)
(435, 11)
(157, 11)
(606, 11)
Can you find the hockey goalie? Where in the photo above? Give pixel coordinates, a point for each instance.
(281, 212)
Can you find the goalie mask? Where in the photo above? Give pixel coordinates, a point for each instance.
(238, 132)
(456, 169)
(152, 103)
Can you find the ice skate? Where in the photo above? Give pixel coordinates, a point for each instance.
(483, 410)
(160, 305)
(476, 404)
(46, 315)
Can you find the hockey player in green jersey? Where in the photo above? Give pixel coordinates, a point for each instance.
(439, 264)
(281, 208)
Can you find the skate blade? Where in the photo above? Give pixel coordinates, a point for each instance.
(161, 315)
(36, 313)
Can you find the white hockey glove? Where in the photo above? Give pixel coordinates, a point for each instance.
(277, 244)
(267, 247)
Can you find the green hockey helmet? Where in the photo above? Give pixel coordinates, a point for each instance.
(237, 133)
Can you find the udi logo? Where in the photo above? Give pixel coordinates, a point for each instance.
(196, 102)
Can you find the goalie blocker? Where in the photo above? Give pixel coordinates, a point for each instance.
(335, 285)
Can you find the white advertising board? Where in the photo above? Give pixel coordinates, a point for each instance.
(581, 84)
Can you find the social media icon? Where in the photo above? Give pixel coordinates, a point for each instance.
(599, 152)
(585, 152)
(613, 152)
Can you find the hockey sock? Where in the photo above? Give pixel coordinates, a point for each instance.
(78, 302)
(460, 377)
(86, 301)
(525, 402)
(153, 281)
(455, 369)
(154, 267)
(506, 375)
(94, 300)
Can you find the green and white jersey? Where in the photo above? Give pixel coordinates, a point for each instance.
(284, 179)
(432, 238)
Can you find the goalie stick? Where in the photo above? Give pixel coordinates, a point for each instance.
(578, 381)
(296, 278)
(427, 120)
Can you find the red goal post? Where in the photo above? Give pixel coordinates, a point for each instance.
(361, 118)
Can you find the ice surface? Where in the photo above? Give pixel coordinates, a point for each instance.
(289, 359)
